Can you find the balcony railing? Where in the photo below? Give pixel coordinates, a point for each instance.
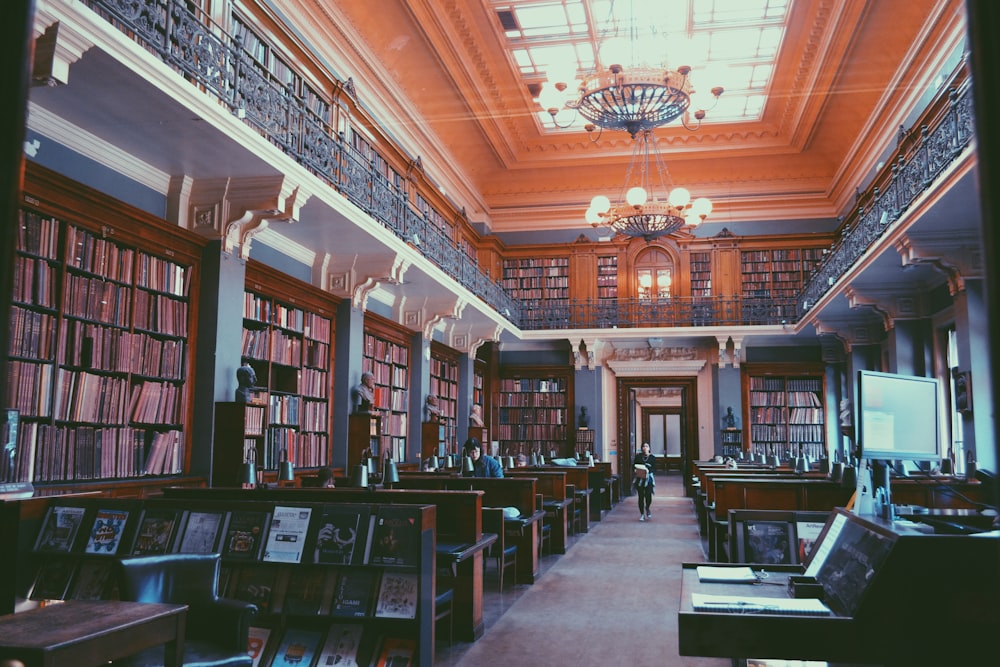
(672, 312)
(207, 56)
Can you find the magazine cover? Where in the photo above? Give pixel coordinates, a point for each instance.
(92, 580)
(258, 643)
(201, 532)
(244, 535)
(106, 533)
(397, 597)
(157, 530)
(397, 536)
(343, 641)
(297, 647)
(286, 537)
(59, 529)
(341, 533)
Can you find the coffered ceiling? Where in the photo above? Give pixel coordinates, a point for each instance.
(440, 75)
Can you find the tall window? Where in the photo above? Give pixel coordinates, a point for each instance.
(957, 430)
(653, 275)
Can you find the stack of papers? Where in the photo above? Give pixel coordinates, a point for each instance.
(731, 575)
(730, 604)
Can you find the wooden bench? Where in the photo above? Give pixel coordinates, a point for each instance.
(556, 502)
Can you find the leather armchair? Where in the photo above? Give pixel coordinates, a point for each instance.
(217, 628)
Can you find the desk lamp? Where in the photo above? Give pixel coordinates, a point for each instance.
(286, 473)
(390, 474)
(510, 462)
(434, 463)
(248, 471)
(359, 476)
(467, 465)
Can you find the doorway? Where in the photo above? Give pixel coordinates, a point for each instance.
(630, 422)
(661, 428)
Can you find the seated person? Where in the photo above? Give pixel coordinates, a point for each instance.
(482, 465)
(325, 477)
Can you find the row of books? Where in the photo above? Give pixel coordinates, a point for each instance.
(314, 382)
(342, 644)
(387, 374)
(97, 299)
(316, 354)
(531, 385)
(90, 345)
(381, 350)
(38, 235)
(549, 416)
(89, 252)
(32, 333)
(444, 369)
(29, 388)
(161, 313)
(529, 432)
(155, 403)
(34, 282)
(329, 534)
(162, 275)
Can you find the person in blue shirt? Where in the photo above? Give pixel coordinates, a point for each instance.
(482, 465)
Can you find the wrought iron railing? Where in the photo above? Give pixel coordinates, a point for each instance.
(207, 56)
(931, 152)
(673, 312)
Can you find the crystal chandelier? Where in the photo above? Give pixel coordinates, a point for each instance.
(647, 207)
(634, 98)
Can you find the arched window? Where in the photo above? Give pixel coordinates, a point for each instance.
(654, 271)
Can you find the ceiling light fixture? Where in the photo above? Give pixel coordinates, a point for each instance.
(634, 98)
(648, 208)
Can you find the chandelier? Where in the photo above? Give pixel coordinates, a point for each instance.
(648, 209)
(635, 98)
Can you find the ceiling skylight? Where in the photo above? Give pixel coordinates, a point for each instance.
(728, 43)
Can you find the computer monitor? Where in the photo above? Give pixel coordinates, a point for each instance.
(898, 417)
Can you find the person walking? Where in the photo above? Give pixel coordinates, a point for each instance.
(643, 481)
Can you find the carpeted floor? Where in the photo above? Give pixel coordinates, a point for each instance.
(611, 599)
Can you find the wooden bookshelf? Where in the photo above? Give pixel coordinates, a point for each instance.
(540, 284)
(701, 274)
(785, 408)
(533, 411)
(444, 385)
(732, 442)
(777, 273)
(387, 357)
(607, 277)
(102, 339)
(288, 328)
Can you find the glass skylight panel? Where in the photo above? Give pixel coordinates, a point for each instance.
(715, 12)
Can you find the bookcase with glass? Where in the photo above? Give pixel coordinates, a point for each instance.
(100, 347)
(533, 412)
(785, 406)
(287, 341)
(387, 358)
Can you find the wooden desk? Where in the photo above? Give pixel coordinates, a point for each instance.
(465, 560)
(87, 634)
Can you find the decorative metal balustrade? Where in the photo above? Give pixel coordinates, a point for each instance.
(207, 56)
(921, 160)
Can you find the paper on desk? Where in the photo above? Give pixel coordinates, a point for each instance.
(743, 604)
(732, 575)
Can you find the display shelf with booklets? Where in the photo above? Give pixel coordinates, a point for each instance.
(287, 335)
(785, 408)
(387, 358)
(102, 307)
(327, 568)
(532, 411)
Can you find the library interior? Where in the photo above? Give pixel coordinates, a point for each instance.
(270, 265)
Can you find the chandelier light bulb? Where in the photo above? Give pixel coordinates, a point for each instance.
(701, 206)
(679, 197)
(663, 281)
(692, 220)
(645, 281)
(600, 204)
(636, 196)
(593, 216)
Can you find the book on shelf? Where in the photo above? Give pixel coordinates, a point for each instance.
(158, 528)
(245, 534)
(257, 643)
(396, 538)
(397, 652)
(397, 595)
(52, 579)
(93, 580)
(343, 643)
(733, 604)
(297, 647)
(106, 532)
(342, 535)
(201, 532)
(256, 584)
(286, 537)
(306, 589)
(353, 593)
(60, 528)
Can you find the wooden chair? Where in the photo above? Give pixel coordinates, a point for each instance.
(217, 628)
(505, 555)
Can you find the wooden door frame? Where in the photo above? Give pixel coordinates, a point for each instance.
(664, 410)
(688, 386)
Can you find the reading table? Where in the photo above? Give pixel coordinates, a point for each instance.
(88, 634)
